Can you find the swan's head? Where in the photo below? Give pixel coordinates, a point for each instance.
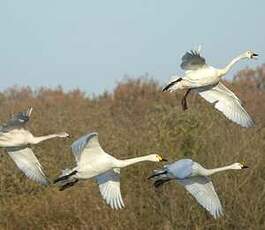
(239, 166)
(63, 134)
(156, 158)
(250, 54)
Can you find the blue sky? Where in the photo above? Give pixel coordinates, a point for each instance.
(93, 44)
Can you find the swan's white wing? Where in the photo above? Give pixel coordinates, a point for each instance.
(87, 148)
(28, 163)
(192, 60)
(202, 189)
(17, 121)
(109, 186)
(228, 103)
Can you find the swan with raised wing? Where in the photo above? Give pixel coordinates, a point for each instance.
(17, 140)
(205, 80)
(93, 162)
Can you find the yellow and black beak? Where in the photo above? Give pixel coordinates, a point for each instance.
(161, 158)
(254, 55)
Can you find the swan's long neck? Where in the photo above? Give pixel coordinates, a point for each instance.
(225, 70)
(208, 172)
(125, 163)
(36, 140)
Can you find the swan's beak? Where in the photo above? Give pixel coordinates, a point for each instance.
(245, 167)
(254, 56)
(162, 159)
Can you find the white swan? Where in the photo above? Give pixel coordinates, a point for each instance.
(93, 162)
(195, 179)
(16, 140)
(205, 80)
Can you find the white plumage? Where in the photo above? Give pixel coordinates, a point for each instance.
(109, 187)
(228, 103)
(15, 139)
(93, 162)
(195, 179)
(203, 190)
(28, 163)
(205, 80)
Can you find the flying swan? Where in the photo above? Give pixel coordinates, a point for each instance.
(16, 140)
(194, 178)
(205, 80)
(93, 162)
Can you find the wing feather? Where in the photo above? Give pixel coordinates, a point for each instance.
(203, 191)
(109, 186)
(28, 163)
(228, 103)
(17, 121)
(192, 60)
(87, 148)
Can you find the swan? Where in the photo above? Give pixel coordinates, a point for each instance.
(16, 140)
(205, 80)
(195, 179)
(93, 162)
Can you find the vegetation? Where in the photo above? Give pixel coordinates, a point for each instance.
(137, 119)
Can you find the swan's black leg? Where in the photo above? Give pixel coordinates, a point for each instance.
(184, 100)
(64, 177)
(171, 84)
(68, 185)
